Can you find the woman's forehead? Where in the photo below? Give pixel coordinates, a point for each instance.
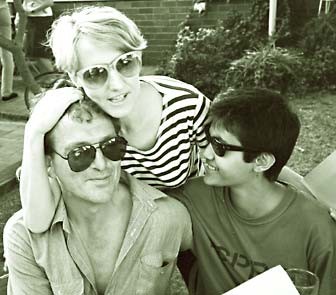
(90, 51)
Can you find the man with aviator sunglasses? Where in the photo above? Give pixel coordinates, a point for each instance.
(244, 220)
(111, 233)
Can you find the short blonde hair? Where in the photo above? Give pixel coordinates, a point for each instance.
(100, 23)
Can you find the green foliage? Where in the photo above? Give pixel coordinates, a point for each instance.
(319, 71)
(258, 20)
(319, 33)
(318, 44)
(268, 67)
(238, 53)
(203, 56)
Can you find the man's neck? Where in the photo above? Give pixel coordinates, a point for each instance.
(258, 198)
(92, 218)
(101, 228)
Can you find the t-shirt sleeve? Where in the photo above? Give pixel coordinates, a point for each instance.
(191, 193)
(323, 261)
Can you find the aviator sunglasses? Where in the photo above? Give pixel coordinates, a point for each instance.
(127, 65)
(221, 148)
(80, 158)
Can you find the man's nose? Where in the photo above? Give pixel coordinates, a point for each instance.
(208, 153)
(100, 161)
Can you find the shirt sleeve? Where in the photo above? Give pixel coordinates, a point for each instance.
(178, 194)
(324, 263)
(25, 276)
(187, 239)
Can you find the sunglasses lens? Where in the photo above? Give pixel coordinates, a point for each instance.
(217, 148)
(95, 77)
(81, 158)
(129, 65)
(114, 149)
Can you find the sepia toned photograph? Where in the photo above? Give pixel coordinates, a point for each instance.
(168, 147)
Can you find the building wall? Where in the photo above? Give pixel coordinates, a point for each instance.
(160, 20)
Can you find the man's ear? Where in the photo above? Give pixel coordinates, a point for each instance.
(263, 162)
(50, 166)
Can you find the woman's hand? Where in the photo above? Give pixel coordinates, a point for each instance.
(50, 109)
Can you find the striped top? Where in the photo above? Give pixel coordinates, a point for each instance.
(175, 155)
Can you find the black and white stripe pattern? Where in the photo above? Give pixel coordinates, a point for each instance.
(174, 157)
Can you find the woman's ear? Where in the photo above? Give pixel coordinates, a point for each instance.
(264, 162)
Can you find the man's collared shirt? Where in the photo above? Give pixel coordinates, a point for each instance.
(55, 262)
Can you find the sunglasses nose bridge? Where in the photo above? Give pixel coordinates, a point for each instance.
(114, 80)
(112, 66)
(100, 161)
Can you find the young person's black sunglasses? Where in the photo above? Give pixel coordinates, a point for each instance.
(80, 158)
(221, 148)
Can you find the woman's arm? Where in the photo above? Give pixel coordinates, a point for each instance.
(38, 201)
(39, 194)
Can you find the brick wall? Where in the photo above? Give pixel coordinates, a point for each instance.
(159, 20)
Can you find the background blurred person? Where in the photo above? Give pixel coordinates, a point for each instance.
(39, 20)
(6, 57)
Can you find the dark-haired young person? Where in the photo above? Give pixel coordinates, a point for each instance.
(244, 220)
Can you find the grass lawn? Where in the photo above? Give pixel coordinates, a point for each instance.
(316, 141)
(318, 136)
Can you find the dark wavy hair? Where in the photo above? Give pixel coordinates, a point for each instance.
(261, 119)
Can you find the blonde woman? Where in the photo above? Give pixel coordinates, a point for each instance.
(161, 118)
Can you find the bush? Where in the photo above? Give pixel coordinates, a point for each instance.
(319, 71)
(319, 33)
(318, 44)
(268, 67)
(202, 57)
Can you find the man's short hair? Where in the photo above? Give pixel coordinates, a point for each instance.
(260, 119)
(84, 110)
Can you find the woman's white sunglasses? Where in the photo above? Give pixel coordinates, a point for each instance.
(127, 65)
